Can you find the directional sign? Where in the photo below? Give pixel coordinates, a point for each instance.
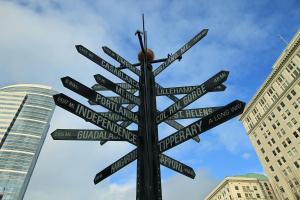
(85, 134)
(113, 116)
(184, 90)
(182, 114)
(121, 60)
(212, 120)
(116, 166)
(99, 87)
(194, 113)
(118, 100)
(112, 69)
(192, 96)
(174, 124)
(132, 156)
(93, 117)
(117, 89)
(180, 52)
(98, 98)
(177, 166)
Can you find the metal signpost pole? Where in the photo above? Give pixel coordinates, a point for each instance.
(113, 124)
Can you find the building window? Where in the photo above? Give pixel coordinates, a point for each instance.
(239, 195)
(289, 97)
(281, 189)
(288, 112)
(274, 127)
(283, 116)
(278, 108)
(254, 187)
(274, 152)
(282, 104)
(276, 178)
(289, 124)
(273, 141)
(284, 144)
(282, 131)
(267, 159)
(258, 142)
(279, 162)
(296, 164)
(295, 105)
(271, 168)
(277, 149)
(283, 159)
(262, 150)
(288, 140)
(294, 121)
(293, 92)
(236, 187)
(296, 134)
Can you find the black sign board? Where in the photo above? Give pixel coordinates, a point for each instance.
(194, 113)
(85, 134)
(93, 117)
(117, 89)
(184, 90)
(98, 98)
(212, 120)
(192, 96)
(99, 87)
(121, 60)
(176, 166)
(180, 52)
(112, 69)
(132, 156)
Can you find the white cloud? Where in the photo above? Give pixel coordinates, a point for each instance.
(246, 156)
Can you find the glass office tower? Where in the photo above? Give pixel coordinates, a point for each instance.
(25, 113)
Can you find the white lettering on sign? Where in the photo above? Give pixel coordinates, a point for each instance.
(123, 161)
(186, 100)
(181, 135)
(95, 135)
(173, 164)
(99, 120)
(119, 73)
(115, 107)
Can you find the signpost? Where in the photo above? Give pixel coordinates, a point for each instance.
(113, 124)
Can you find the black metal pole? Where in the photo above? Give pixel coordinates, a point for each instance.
(149, 182)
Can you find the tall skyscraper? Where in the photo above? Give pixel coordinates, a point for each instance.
(272, 121)
(25, 113)
(248, 186)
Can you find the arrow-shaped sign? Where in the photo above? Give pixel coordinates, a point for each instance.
(192, 96)
(117, 89)
(174, 124)
(131, 156)
(194, 113)
(109, 67)
(93, 117)
(184, 90)
(85, 134)
(99, 99)
(121, 60)
(99, 87)
(212, 120)
(180, 52)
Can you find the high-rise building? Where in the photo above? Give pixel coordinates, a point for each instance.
(272, 122)
(248, 186)
(25, 113)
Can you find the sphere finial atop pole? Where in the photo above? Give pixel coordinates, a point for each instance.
(149, 53)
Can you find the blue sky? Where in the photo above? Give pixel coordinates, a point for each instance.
(37, 45)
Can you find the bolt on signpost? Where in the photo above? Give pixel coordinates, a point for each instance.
(113, 125)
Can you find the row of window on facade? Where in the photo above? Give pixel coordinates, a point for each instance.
(271, 94)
